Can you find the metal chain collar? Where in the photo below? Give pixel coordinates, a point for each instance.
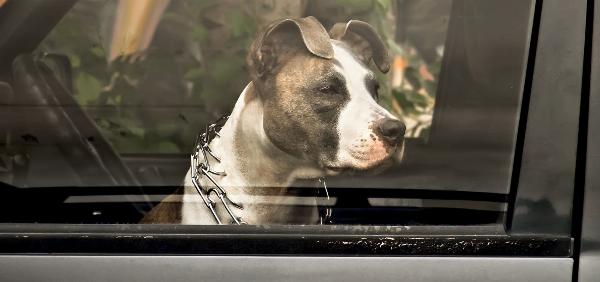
(200, 166)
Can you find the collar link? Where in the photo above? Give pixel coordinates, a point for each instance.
(200, 167)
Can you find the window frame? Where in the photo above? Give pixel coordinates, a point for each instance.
(39, 238)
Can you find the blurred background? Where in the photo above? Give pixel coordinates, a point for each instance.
(152, 73)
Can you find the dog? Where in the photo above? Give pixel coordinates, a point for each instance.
(309, 111)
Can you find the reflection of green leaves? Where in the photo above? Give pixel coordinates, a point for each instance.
(197, 58)
(75, 61)
(408, 107)
(97, 51)
(199, 33)
(224, 68)
(418, 99)
(125, 144)
(124, 126)
(384, 4)
(410, 101)
(412, 76)
(241, 24)
(356, 6)
(194, 73)
(88, 88)
(394, 47)
(167, 128)
(197, 7)
(132, 128)
(431, 87)
(166, 147)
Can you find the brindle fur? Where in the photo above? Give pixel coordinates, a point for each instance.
(290, 64)
(168, 211)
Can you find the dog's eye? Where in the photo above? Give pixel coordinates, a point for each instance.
(328, 89)
(376, 90)
(373, 87)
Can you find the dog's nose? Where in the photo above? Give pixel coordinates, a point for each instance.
(392, 129)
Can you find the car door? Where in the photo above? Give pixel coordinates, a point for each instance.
(496, 183)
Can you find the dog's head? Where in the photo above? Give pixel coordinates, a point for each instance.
(320, 98)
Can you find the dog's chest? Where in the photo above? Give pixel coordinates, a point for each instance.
(260, 206)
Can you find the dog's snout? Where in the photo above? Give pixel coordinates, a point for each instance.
(392, 129)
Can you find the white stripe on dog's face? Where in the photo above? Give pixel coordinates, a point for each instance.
(360, 144)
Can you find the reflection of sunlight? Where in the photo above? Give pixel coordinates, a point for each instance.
(134, 26)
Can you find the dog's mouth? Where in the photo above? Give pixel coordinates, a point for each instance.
(365, 162)
(371, 169)
(335, 170)
(349, 170)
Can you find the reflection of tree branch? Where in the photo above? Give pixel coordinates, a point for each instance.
(111, 84)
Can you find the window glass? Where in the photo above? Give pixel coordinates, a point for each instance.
(405, 116)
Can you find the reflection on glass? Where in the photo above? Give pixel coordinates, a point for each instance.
(140, 80)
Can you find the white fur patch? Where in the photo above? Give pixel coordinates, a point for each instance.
(244, 173)
(359, 146)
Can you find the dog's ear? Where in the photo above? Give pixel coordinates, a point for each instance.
(364, 41)
(286, 36)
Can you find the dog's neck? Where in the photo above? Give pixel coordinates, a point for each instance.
(247, 155)
(257, 172)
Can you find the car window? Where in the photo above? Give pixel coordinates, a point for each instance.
(336, 112)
